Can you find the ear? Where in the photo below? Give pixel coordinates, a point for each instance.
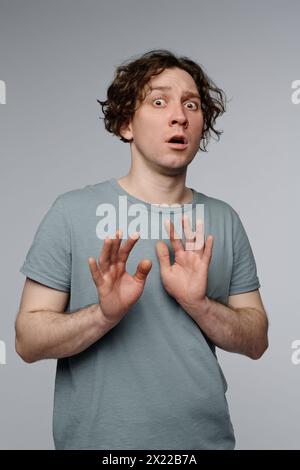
(126, 131)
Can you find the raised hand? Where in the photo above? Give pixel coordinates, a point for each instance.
(186, 279)
(117, 289)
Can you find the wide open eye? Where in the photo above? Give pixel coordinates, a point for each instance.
(195, 105)
(158, 99)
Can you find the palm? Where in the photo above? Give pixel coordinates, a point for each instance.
(117, 289)
(186, 279)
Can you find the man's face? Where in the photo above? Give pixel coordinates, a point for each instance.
(163, 114)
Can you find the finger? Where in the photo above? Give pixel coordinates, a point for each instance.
(199, 241)
(104, 258)
(163, 255)
(143, 270)
(208, 249)
(174, 237)
(127, 246)
(188, 232)
(96, 273)
(115, 246)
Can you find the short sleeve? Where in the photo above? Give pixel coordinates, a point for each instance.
(244, 273)
(48, 260)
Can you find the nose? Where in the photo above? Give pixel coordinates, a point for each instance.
(178, 116)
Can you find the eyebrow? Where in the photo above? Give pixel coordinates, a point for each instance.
(186, 93)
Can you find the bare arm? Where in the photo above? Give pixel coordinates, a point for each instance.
(240, 327)
(47, 332)
(43, 330)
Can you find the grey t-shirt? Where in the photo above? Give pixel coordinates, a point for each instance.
(153, 381)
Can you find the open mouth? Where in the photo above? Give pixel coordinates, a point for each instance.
(179, 142)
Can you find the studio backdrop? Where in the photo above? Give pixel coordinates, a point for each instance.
(56, 59)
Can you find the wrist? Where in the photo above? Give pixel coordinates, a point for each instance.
(198, 308)
(103, 324)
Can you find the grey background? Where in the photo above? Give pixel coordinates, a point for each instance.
(57, 58)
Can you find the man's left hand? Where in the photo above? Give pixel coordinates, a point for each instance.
(186, 279)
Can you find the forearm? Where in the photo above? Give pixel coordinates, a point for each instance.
(241, 330)
(46, 334)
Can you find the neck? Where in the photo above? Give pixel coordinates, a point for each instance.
(156, 188)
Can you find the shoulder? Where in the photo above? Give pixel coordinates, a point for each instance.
(216, 207)
(78, 197)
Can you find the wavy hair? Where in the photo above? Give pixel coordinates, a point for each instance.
(128, 89)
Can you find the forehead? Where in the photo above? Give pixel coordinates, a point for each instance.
(175, 78)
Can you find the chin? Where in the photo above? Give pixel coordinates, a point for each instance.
(176, 161)
(172, 170)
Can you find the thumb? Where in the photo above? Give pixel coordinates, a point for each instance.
(143, 269)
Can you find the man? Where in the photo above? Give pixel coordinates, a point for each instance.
(135, 332)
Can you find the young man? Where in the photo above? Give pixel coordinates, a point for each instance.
(135, 332)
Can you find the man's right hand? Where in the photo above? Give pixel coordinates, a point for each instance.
(117, 289)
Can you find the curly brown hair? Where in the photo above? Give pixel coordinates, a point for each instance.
(128, 89)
